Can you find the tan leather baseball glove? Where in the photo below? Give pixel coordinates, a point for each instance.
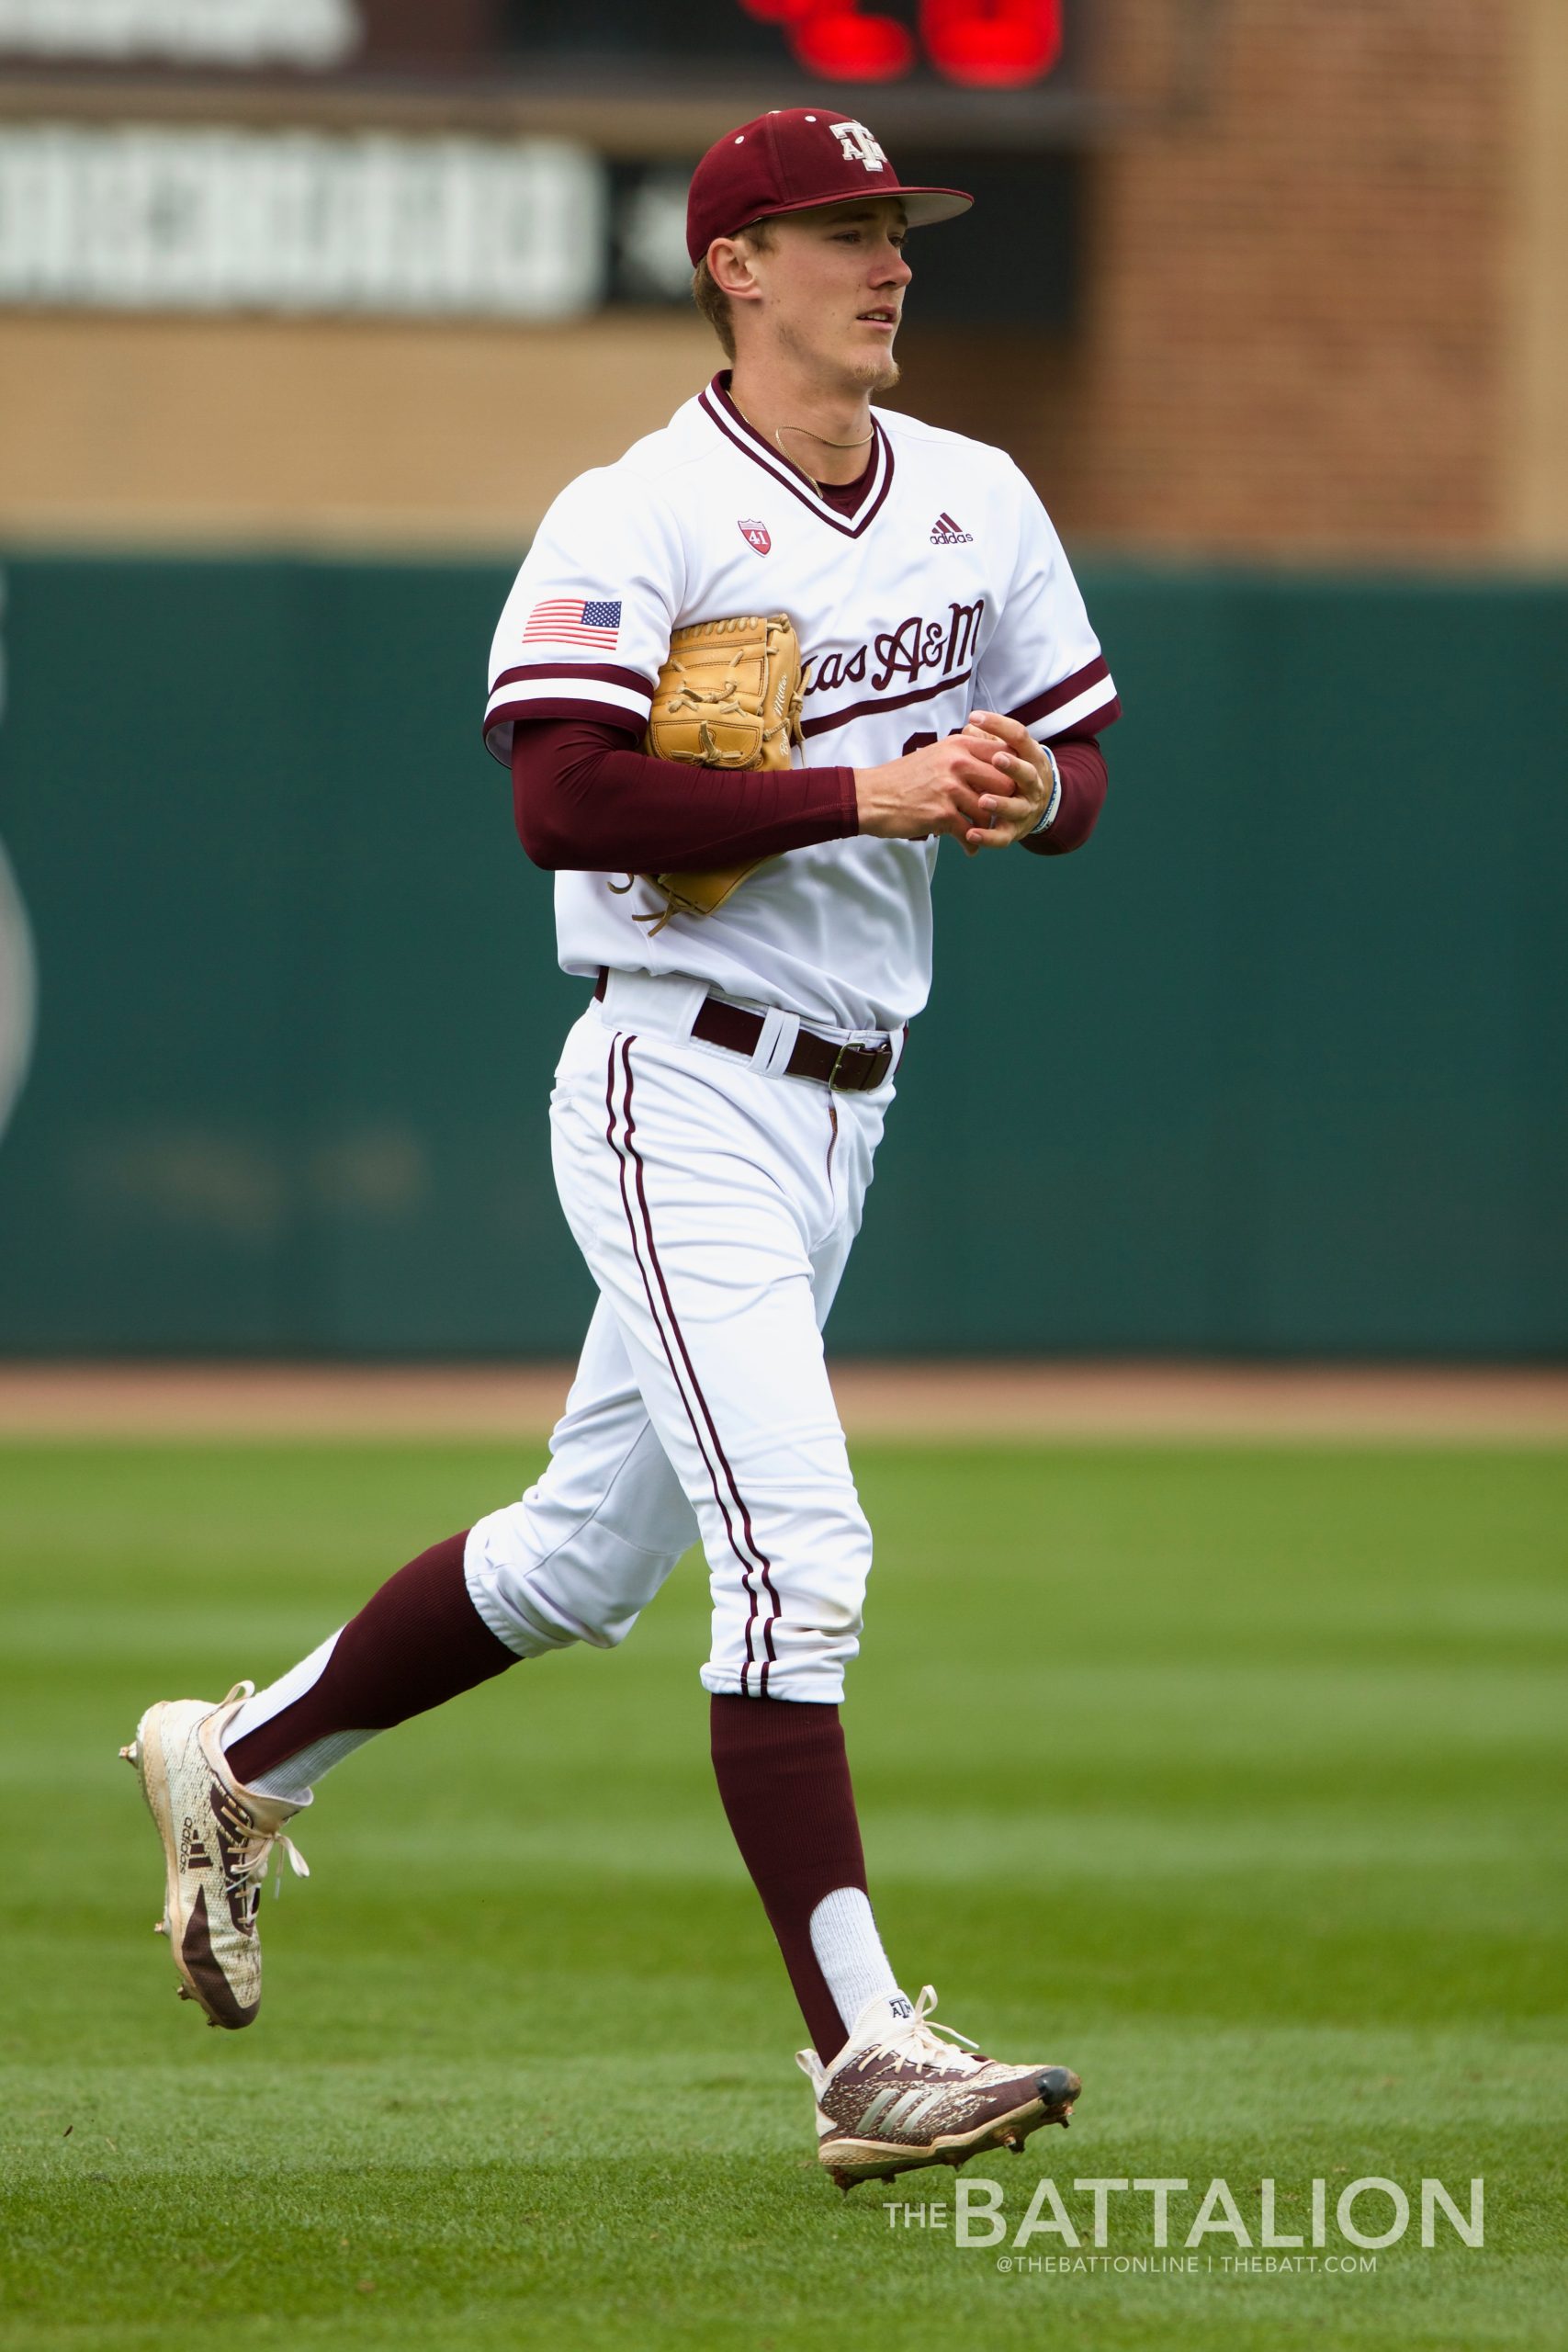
(728, 697)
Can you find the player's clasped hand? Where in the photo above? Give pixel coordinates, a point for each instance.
(1006, 820)
(953, 786)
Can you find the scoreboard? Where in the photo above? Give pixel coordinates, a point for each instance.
(966, 44)
(703, 52)
(518, 159)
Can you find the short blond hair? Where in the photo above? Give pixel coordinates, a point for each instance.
(711, 299)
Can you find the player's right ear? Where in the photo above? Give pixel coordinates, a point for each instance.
(729, 267)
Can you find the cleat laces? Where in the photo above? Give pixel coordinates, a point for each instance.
(915, 2043)
(253, 1850)
(255, 1844)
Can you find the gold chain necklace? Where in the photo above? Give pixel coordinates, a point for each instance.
(783, 453)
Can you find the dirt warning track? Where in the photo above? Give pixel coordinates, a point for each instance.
(1099, 1402)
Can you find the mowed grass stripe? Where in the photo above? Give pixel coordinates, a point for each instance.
(1233, 1776)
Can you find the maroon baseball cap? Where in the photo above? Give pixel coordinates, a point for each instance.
(789, 161)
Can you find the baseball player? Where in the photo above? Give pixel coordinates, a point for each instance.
(719, 1102)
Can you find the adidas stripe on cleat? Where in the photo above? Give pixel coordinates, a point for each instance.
(896, 2097)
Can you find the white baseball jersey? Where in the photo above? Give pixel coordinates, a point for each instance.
(945, 592)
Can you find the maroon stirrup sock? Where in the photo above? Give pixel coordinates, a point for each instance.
(784, 1780)
(414, 1645)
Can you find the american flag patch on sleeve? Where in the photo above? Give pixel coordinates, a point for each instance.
(573, 620)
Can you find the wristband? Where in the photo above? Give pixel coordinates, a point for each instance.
(1049, 813)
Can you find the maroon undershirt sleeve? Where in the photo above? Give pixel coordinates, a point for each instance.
(1084, 779)
(584, 797)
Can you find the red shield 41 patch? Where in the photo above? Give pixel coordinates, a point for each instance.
(756, 535)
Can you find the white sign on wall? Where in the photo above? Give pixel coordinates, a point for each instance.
(208, 32)
(157, 218)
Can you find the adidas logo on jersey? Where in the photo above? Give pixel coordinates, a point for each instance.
(946, 533)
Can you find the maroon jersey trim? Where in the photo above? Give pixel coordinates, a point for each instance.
(1104, 717)
(830, 718)
(1066, 690)
(523, 714)
(599, 674)
(722, 412)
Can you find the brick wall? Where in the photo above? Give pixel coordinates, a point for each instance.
(1324, 314)
(1292, 305)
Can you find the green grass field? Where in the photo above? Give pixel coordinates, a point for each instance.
(1234, 1778)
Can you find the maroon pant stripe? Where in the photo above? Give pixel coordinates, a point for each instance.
(758, 1555)
(621, 1155)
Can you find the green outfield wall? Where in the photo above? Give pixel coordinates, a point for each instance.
(1277, 1064)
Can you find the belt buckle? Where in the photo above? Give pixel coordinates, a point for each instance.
(879, 1056)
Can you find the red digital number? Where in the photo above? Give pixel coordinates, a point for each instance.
(834, 39)
(983, 44)
(992, 44)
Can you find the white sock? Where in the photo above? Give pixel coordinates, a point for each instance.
(294, 1778)
(849, 1953)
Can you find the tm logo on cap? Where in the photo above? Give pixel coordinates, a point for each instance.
(859, 145)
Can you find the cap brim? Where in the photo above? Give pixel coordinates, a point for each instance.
(934, 204)
(922, 205)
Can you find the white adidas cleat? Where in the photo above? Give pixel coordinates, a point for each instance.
(895, 2096)
(217, 1841)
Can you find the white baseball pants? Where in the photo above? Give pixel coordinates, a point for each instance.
(715, 1206)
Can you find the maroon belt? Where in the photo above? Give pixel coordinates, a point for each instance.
(848, 1069)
